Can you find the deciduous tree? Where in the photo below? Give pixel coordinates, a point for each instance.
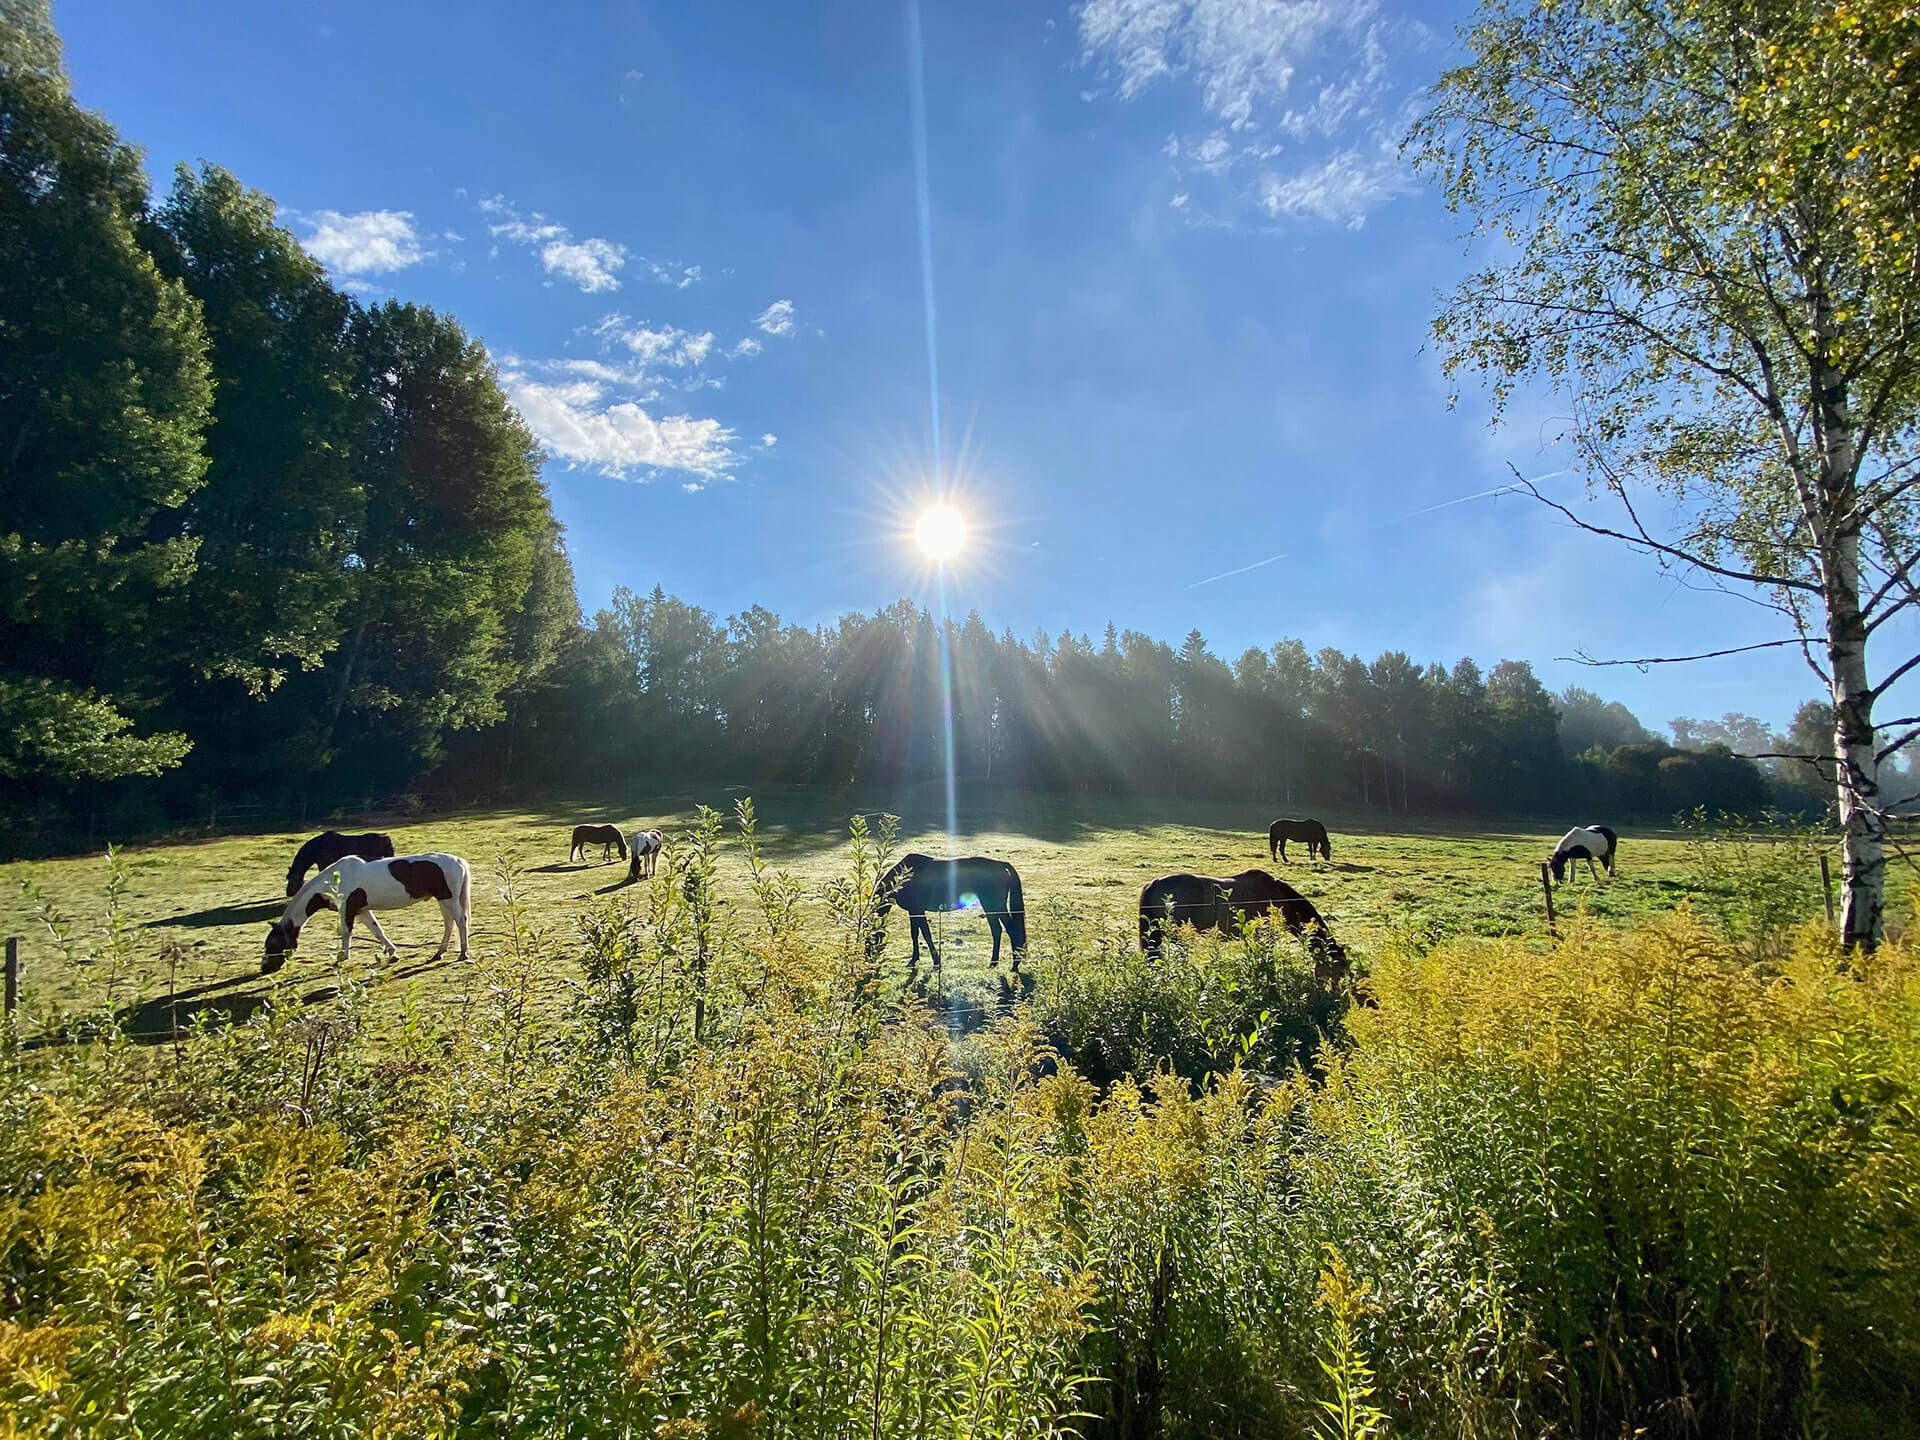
(1702, 224)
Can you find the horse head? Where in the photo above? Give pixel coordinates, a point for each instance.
(1559, 866)
(282, 936)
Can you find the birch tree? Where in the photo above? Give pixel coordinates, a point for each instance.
(1702, 223)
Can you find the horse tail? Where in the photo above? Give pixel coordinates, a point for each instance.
(466, 891)
(1016, 910)
(1273, 842)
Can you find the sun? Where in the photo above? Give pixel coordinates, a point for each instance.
(940, 532)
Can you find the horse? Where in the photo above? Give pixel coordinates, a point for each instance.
(920, 883)
(646, 846)
(1588, 843)
(605, 836)
(355, 887)
(1226, 903)
(329, 846)
(1310, 833)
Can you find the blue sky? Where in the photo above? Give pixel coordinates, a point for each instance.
(1181, 283)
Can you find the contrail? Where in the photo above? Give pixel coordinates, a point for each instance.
(1393, 520)
(1229, 574)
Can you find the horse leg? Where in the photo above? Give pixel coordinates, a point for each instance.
(922, 926)
(373, 922)
(1283, 850)
(994, 922)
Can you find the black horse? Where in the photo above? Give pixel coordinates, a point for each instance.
(920, 883)
(329, 848)
(1310, 833)
(1226, 903)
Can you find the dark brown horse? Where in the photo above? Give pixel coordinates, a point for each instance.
(329, 847)
(1227, 903)
(1310, 833)
(605, 836)
(920, 883)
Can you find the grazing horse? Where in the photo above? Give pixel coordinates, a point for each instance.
(646, 846)
(605, 836)
(331, 845)
(355, 887)
(1588, 843)
(920, 883)
(1227, 903)
(1310, 833)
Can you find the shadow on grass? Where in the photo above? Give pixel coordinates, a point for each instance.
(162, 1017)
(248, 913)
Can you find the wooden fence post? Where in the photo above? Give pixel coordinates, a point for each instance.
(1546, 888)
(1826, 885)
(13, 976)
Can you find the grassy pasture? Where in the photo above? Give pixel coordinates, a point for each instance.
(213, 897)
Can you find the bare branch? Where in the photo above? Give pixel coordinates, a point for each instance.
(1647, 660)
(1887, 684)
(1646, 541)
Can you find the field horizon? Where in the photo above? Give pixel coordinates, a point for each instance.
(200, 905)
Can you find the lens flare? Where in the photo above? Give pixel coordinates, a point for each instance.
(940, 532)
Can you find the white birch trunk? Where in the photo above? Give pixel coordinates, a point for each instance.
(1858, 773)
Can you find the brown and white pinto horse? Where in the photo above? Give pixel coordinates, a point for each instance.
(357, 887)
(645, 846)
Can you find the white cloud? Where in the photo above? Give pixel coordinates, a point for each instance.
(768, 441)
(777, 318)
(602, 412)
(678, 276)
(588, 263)
(582, 423)
(593, 264)
(667, 346)
(1341, 191)
(369, 242)
(1311, 78)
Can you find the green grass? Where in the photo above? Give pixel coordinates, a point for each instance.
(213, 897)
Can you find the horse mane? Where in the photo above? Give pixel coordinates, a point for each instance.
(303, 857)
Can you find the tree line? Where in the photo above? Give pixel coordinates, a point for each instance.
(263, 542)
(657, 686)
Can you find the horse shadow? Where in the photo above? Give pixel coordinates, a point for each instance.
(161, 1018)
(244, 913)
(567, 867)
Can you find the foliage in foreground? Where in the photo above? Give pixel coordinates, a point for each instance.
(1633, 1182)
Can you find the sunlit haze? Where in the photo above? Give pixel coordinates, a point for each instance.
(1184, 287)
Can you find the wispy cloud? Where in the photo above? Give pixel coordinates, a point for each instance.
(777, 318)
(368, 242)
(593, 264)
(1298, 108)
(1341, 191)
